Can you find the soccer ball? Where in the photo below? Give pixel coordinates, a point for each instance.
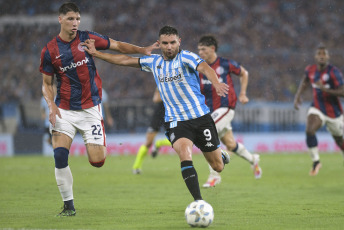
(199, 214)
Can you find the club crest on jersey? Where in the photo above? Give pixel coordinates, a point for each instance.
(325, 77)
(81, 48)
(219, 70)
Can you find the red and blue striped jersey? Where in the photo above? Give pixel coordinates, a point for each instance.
(331, 78)
(78, 83)
(223, 68)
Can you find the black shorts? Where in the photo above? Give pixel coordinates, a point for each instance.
(158, 118)
(201, 131)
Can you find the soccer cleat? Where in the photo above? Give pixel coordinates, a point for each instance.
(137, 171)
(225, 157)
(155, 151)
(256, 169)
(66, 212)
(315, 169)
(212, 181)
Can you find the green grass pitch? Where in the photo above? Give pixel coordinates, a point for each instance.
(112, 198)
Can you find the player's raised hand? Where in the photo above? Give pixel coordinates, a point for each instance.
(53, 111)
(221, 89)
(148, 50)
(89, 46)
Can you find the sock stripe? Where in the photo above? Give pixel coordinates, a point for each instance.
(186, 167)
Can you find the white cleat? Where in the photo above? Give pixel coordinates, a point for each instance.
(255, 166)
(212, 181)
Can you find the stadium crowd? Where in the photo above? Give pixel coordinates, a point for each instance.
(273, 39)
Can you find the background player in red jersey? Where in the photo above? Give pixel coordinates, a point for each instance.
(222, 108)
(327, 85)
(79, 93)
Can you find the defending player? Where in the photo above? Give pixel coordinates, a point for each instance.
(187, 118)
(157, 121)
(222, 109)
(327, 86)
(79, 92)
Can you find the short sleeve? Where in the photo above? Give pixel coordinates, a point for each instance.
(146, 63)
(191, 59)
(101, 42)
(46, 67)
(234, 67)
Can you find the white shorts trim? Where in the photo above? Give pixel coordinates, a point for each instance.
(333, 125)
(89, 122)
(223, 120)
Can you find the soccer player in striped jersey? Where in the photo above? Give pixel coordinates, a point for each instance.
(222, 108)
(187, 118)
(327, 86)
(77, 106)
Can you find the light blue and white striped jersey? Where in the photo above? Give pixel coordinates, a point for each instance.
(178, 83)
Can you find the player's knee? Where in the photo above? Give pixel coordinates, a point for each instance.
(98, 164)
(61, 157)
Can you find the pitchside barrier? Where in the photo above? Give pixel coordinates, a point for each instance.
(261, 127)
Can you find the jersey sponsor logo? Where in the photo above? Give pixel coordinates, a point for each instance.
(207, 82)
(209, 144)
(315, 86)
(170, 78)
(74, 65)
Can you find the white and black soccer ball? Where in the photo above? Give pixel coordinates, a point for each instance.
(199, 214)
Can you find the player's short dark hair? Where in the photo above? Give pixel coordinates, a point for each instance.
(208, 40)
(67, 7)
(168, 30)
(321, 46)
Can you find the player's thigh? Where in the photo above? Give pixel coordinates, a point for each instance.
(315, 120)
(335, 127)
(91, 126)
(61, 140)
(223, 120)
(64, 130)
(228, 140)
(95, 152)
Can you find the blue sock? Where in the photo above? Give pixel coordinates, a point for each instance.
(61, 157)
(311, 141)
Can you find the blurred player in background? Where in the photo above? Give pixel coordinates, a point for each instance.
(187, 118)
(79, 93)
(157, 121)
(222, 108)
(107, 116)
(327, 86)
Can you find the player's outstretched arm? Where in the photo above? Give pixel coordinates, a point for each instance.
(48, 93)
(221, 88)
(127, 48)
(118, 59)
